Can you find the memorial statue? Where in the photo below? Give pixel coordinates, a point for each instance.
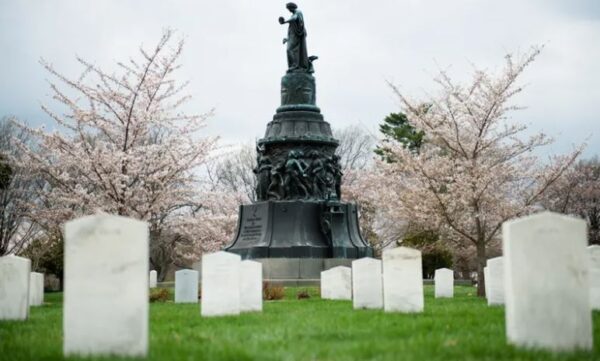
(297, 55)
(298, 207)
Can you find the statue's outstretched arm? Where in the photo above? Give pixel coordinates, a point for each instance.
(294, 17)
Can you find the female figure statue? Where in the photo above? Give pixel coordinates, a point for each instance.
(296, 41)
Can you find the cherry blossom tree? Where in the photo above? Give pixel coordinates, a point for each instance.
(17, 191)
(379, 223)
(356, 152)
(208, 228)
(578, 193)
(124, 145)
(232, 171)
(475, 168)
(360, 184)
(355, 147)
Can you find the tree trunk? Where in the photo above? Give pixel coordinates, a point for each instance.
(594, 225)
(481, 261)
(161, 254)
(162, 274)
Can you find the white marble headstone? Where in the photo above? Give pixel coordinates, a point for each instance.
(486, 277)
(367, 286)
(152, 279)
(547, 283)
(36, 289)
(444, 283)
(106, 286)
(251, 298)
(495, 281)
(220, 284)
(14, 287)
(336, 283)
(594, 254)
(186, 286)
(402, 280)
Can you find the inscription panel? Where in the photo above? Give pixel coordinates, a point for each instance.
(253, 227)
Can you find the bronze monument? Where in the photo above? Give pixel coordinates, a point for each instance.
(298, 213)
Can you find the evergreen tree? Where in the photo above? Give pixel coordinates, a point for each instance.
(397, 128)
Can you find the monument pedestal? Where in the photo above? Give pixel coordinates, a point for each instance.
(298, 271)
(294, 272)
(299, 229)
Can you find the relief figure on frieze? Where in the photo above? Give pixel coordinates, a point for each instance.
(295, 176)
(333, 178)
(275, 190)
(337, 175)
(263, 176)
(318, 174)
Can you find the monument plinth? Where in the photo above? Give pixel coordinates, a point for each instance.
(298, 214)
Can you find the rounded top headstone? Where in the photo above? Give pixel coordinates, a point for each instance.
(222, 255)
(365, 260)
(337, 268)
(543, 218)
(496, 261)
(401, 252)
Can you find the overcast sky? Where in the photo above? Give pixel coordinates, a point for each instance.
(234, 57)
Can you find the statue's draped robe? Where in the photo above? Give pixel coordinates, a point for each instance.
(296, 44)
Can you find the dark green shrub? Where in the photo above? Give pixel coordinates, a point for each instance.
(433, 253)
(435, 258)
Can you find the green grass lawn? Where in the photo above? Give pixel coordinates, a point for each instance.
(463, 328)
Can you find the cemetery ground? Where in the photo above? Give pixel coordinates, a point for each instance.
(462, 328)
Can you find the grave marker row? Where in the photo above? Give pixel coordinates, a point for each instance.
(396, 284)
(230, 285)
(543, 277)
(152, 279)
(495, 281)
(14, 287)
(106, 286)
(367, 284)
(402, 280)
(19, 288)
(186, 286)
(36, 289)
(251, 286)
(444, 283)
(336, 283)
